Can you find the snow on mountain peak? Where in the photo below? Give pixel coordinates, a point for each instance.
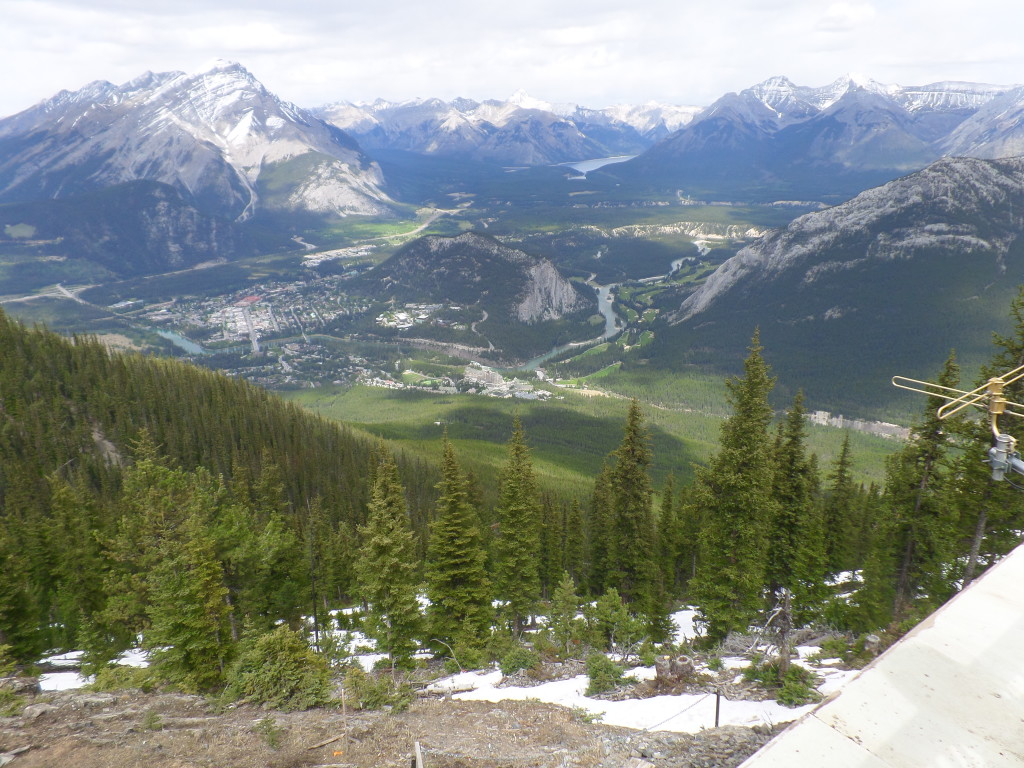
(219, 65)
(522, 99)
(525, 101)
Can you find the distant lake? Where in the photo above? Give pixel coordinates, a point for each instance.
(585, 166)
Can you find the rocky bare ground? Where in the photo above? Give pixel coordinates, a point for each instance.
(131, 729)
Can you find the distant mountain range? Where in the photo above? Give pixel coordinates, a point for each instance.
(235, 150)
(234, 160)
(778, 139)
(519, 131)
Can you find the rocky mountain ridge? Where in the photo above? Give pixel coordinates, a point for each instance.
(216, 136)
(959, 204)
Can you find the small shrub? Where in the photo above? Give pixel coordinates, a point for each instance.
(151, 721)
(368, 691)
(120, 678)
(715, 663)
(334, 649)
(270, 731)
(794, 688)
(544, 646)
(646, 654)
(498, 645)
(834, 647)
(519, 658)
(604, 674)
(7, 662)
(586, 716)
(463, 657)
(11, 704)
(281, 670)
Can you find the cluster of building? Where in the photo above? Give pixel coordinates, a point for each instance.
(272, 309)
(417, 314)
(477, 379)
(881, 428)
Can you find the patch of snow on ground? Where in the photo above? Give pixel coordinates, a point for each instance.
(641, 673)
(686, 628)
(69, 659)
(735, 662)
(66, 681)
(685, 713)
(62, 681)
(466, 681)
(368, 660)
(133, 657)
(844, 577)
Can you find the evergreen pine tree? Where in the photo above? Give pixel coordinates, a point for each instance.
(602, 540)
(668, 535)
(575, 547)
(840, 513)
(688, 541)
(517, 549)
(18, 627)
(734, 494)
(552, 545)
(387, 569)
(914, 542)
(796, 559)
(457, 583)
(78, 565)
(634, 571)
(565, 605)
(188, 635)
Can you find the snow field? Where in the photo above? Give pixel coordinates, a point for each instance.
(683, 713)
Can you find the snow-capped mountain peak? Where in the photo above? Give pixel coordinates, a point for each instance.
(210, 134)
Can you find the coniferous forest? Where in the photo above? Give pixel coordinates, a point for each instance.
(146, 500)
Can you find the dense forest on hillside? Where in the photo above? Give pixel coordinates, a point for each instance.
(141, 497)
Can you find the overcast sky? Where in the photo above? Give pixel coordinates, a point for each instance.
(591, 52)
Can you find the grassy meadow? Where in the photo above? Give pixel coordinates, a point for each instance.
(569, 437)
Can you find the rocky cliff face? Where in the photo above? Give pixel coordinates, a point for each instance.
(547, 295)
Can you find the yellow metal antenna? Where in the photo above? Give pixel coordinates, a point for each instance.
(989, 397)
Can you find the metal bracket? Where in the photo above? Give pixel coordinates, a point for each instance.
(989, 397)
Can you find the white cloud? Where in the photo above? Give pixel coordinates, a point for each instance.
(594, 52)
(846, 17)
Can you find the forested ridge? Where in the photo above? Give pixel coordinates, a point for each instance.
(148, 499)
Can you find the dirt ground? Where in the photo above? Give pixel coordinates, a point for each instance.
(137, 730)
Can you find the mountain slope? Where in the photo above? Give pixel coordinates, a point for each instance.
(891, 279)
(995, 130)
(213, 136)
(137, 228)
(473, 267)
(526, 304)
